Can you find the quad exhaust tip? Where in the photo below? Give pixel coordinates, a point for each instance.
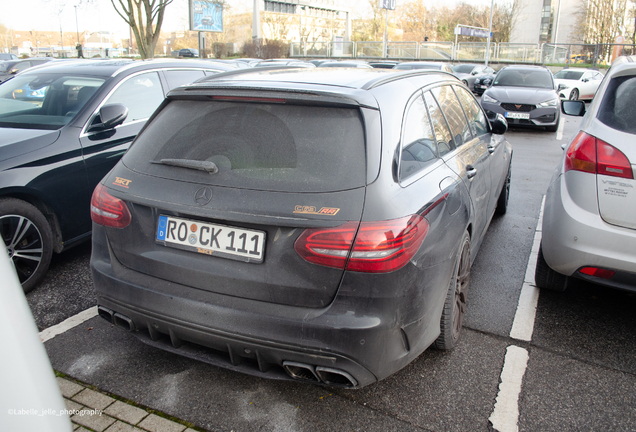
(116, 318)
(305, 372)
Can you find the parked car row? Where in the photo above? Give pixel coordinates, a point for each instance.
(272, 184)
(247, 223)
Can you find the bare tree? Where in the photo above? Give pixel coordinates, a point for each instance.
(145, 18)
(603, 20)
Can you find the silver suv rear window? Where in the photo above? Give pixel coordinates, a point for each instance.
(618, 109)
(261, 146)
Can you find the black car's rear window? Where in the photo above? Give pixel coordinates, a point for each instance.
(268, 146)
(617, 109)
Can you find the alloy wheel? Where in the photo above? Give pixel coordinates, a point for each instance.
(24, 244)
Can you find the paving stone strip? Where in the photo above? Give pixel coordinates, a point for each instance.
(92, 410)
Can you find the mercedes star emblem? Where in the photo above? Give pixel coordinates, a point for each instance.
(203, 196)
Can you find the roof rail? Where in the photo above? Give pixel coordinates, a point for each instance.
(403, 74)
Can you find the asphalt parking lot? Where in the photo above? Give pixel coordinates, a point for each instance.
(580, 373)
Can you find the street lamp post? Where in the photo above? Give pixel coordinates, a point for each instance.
(492, 5)
(76, 25)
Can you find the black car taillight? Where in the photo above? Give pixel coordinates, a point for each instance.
(370, 247)
(107, 210)
(590, 154)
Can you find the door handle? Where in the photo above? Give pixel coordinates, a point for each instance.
(471, 171)
(491, 149)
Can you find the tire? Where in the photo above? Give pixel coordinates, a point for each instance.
(465, 83)
(574, 94)
(504, 195)
(546, 278)
(455, 303)
(28, 239)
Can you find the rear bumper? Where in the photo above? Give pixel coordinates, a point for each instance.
(366, 339)
(575, 237)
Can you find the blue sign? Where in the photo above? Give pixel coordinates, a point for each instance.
(387, 4)
(206, 16)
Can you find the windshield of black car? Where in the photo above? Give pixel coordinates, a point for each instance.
(260, 146)
(463, 69)
(44, 101)
(569, 75)
(524, 78)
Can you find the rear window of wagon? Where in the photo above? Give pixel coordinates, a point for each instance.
(260, 146)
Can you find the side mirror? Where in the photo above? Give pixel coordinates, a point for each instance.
(499, 125)
(573, 108)
(561, 87)
(474, 72)
(585, 79)
(14, 71)
(110, 116)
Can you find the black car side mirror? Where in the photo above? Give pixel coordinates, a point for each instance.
(110, 116)
(499, 125)
(573, 108)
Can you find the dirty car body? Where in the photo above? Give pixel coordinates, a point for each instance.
(301, 224)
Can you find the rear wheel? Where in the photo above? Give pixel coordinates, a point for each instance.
(28, 239)
(546, 278)
(574, 94)
(455, 305)
(502, 202)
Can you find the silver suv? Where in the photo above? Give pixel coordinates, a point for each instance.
(589, 223)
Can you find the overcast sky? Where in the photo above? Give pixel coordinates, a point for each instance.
(95, 15)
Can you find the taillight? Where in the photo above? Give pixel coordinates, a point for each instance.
(107, 210)
(379, 247)
(589, 154)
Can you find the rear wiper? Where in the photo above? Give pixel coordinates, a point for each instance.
(191, 164)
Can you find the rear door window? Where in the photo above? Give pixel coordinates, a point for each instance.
(261, 146)
(618, 110)
(419, 149)
(442, 134)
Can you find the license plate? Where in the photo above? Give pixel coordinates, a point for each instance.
(517, 115)
(211, 239)
(484, 86)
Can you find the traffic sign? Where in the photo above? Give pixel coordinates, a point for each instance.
(387, 4)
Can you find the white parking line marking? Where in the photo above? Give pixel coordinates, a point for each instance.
(523, 324)
(67, 324)
(505, 414)
(559, 134)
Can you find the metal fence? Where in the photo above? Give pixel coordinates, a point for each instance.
(547, 54)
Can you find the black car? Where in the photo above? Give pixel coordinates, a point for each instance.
(482, 82)
(469, 73)
(525, 96)
(314, 225)
(10, 68)
(189, 52)
(55, 148)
